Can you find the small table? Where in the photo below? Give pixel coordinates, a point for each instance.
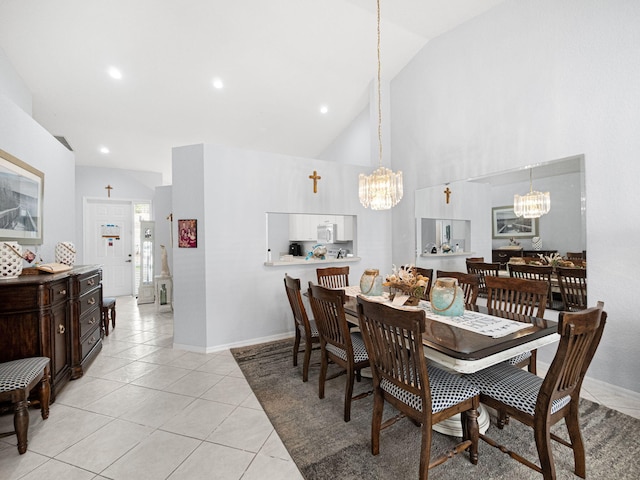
(164, 291)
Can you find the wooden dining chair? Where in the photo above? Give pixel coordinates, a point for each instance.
(522, 297)
(534, 272)
(17, 379)
(539, 403)
(469, 282)
(305, 328)
(573, 287)
(337, 343)
(333, 277)
(483, 270)
(401, 377)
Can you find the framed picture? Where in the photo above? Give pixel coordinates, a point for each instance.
(505, 224)
(187, 233)
(21, 193)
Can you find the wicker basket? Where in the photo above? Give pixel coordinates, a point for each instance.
(10, 259)
(66, 253)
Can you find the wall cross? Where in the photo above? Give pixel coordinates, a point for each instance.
(315, 177)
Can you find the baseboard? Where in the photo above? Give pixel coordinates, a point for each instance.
(243, 343)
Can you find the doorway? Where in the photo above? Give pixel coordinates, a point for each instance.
(108, 241)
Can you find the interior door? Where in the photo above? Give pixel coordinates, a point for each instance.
(108, 241)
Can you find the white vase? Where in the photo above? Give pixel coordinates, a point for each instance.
(66, 253)
(536, 242)
(10, 259)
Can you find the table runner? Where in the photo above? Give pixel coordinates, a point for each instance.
(494, 327)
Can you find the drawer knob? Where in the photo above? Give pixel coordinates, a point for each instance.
(61, 329)
(91, 301)
(91, 282)
(92, 321)
(92, 340)
(62, 292)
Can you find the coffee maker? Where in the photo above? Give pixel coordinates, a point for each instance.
(295, 249)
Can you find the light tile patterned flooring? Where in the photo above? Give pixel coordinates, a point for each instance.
(146, 411)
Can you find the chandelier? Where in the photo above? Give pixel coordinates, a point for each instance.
(533, 204)
(382, 189)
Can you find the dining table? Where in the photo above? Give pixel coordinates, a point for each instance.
(482, 337)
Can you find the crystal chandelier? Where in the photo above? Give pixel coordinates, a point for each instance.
(533, 204)
(382, 189)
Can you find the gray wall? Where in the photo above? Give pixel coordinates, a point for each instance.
(528, 82)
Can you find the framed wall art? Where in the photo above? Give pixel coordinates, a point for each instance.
(505, 224)
(187, 233)
(21, 197)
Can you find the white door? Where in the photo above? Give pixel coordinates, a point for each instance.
(108, 227)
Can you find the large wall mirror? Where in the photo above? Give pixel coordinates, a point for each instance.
(562, 229)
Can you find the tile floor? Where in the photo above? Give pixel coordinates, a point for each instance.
(146, 411)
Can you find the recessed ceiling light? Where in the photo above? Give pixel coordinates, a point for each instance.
(324, 109)
(217, 83)
(114, 73)
(104, 150)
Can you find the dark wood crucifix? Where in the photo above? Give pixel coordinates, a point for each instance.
(108, 188)
(315, 177)
(447, 193)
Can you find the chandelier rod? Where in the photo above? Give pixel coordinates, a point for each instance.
(379, 94)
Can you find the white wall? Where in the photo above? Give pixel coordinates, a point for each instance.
(528, 82)
(224, 295)
(130, 185)
(12, 85)
(26, 140)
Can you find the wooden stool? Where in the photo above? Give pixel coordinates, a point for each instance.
(17, 379)
(108, 307)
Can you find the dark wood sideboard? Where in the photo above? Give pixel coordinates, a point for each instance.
(503, 256)
(55, 316)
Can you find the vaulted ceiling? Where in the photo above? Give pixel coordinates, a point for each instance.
(279, 61)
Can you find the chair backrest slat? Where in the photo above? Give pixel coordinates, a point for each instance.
(333, 277)
(469, 282)
(393, 339)
(517, 295)
(483, 269)
(580, 336)
(328, 310)
(573, 287)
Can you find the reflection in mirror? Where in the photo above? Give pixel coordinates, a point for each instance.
(562, 229)
(438, 234)
(296, 234)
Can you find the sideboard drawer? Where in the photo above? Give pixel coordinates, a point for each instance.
(89, 301)
(90, 342)
(89, 321)
(89, 282)
(59, 292)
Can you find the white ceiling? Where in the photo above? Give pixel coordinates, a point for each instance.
(279, 59)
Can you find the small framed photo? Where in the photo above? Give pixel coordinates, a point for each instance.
(187, 233)
(505, 224)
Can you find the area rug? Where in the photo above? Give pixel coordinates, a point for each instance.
(325, 447)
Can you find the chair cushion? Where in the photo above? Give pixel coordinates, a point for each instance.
(446, 390)
(314, 329)
(519, 358)
(359, 350)
(18, 374)
(513, 386)
(108, 302)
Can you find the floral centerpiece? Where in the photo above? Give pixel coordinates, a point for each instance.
(407, 280)
(556, 260)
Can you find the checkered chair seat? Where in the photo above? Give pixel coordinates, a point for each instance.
(314, 329)
(519, 358)
(359, 350)
(447, 390)
(18, 374)
(513, 386)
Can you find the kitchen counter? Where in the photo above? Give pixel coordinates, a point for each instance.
(311, 261)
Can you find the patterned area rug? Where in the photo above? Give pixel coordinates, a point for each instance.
(325, 447)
